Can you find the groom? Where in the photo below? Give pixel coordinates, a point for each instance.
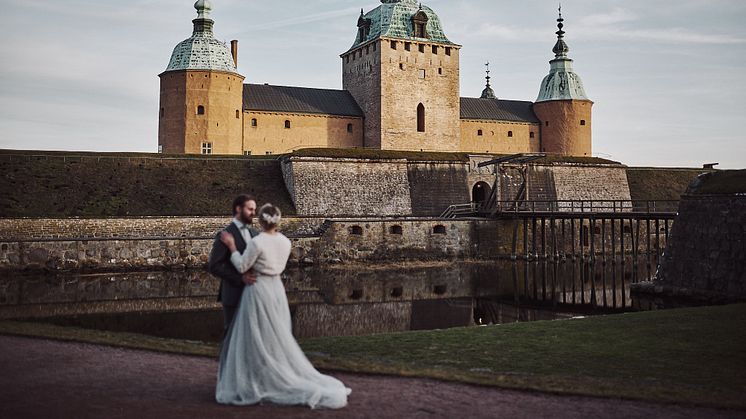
(231, 281)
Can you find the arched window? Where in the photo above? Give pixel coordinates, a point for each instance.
(510, 133)
(200, 110)
(420, 118)
(287, 124)
(238, 114)
(349, 127)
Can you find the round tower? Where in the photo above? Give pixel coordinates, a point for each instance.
(201, 104)
(562, 106)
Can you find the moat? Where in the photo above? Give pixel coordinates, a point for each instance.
(339, 300)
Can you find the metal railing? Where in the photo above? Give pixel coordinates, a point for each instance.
(613, 206)
(592, 206)
(462, 210)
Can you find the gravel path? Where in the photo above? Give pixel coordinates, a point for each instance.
(50, 379)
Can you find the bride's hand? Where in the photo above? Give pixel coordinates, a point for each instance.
(228, 241)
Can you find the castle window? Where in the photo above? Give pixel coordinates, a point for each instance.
(269, 153)
(200, 110)
(582, 122)
(407, 46)
(238, 114)
(401, 66)
(420, 118)
(422, 47)
(349, 127)
(448, 50)
(479, 132)
(160, 148)
(439, 229)
(395, 230)
(419, 24)
(253, 122)
(531, 134)
(510, 133)
(393, 44)
(367, 49)
(247, 152)
(440, 71)
(435, 49)
(206, 148)
(547, 123)
(356, 231)
(422, 73)
(287, 124)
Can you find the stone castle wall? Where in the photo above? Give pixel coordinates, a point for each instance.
(565, 127)
(495, 137)
(707, 250)
(348, 187)
(183, 130)
(269, 135)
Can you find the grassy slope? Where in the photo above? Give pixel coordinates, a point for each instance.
(650, 184)
(693, 355)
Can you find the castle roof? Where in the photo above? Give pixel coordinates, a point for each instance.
(394, 19)
(202, 51)
(562, 83)
(264, 97)
(498, 110)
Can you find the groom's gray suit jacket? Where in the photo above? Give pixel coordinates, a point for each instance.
(231, 282)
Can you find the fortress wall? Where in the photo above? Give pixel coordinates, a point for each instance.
(436, 185)
(76, 184)
(590, 183)
(707, 247)
(349, 187)
(306, 130)
(494, 138)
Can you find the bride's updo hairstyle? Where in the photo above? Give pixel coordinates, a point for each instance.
(269, 216)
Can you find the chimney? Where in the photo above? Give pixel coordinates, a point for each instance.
(234, 51)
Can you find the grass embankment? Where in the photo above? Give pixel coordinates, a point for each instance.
(693, 355)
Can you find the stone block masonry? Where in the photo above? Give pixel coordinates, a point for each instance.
(348, 187)
(707, 251)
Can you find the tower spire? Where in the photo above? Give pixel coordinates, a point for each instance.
(203, 24)
(560, 48)
(488, 93)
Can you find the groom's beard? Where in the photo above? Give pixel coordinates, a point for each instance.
(245, 221)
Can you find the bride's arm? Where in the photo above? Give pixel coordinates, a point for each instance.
(244, 261)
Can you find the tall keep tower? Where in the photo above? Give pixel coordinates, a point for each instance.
(562, 106)
(404, 73)
(201, 94)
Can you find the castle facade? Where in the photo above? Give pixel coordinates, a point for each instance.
(401, 91)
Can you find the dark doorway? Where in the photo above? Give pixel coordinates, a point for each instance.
(480, 192)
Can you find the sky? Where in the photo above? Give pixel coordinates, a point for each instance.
(667, 77)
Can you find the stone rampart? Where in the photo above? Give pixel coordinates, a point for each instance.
(707, 248)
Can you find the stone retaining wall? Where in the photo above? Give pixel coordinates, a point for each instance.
(707, 251)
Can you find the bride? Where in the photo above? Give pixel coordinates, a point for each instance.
(260, 361)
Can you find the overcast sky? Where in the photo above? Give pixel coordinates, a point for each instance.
(666, 76)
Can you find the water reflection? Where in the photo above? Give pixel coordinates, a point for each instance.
(333, 301)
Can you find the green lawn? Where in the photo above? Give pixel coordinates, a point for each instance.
(693, 355)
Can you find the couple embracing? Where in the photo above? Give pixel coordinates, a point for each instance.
(260, 361)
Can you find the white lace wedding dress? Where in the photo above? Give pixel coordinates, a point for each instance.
(260, 361)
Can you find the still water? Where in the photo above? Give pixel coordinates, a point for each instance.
(334, 301)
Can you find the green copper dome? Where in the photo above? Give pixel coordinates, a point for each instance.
(396, 19)
(202, 51)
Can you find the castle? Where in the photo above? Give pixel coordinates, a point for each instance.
(400, 92)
